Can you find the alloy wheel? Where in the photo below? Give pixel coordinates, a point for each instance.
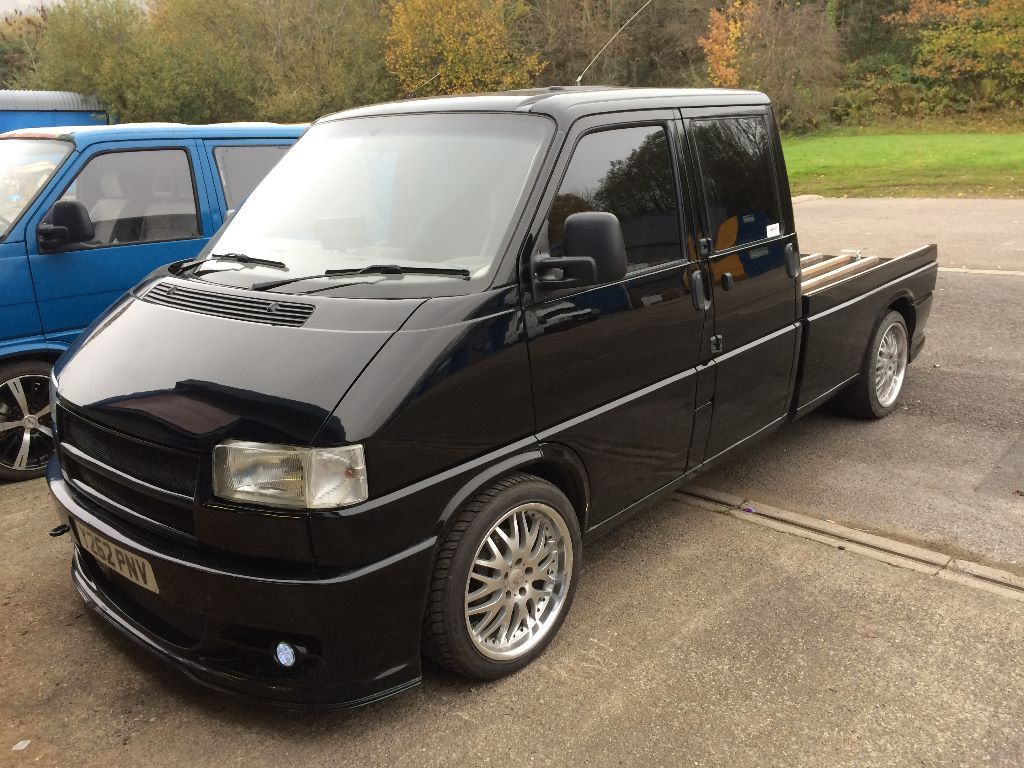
(26, 425)
(519, 581)
(890, 364)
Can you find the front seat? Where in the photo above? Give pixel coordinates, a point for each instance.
(108, 210)
(171, 215)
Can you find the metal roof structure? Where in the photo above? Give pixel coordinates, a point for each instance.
(47, 101)
(566, 103)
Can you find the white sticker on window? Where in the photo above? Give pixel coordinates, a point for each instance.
(773, 230)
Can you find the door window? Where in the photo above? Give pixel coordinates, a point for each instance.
(138, 196)
(241, 168)
(628, 172)
(739, 180)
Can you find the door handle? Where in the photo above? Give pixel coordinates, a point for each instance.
(792, 261)
(700, 300)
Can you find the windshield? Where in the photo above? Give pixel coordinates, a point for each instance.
(434, 191)
(25, 167)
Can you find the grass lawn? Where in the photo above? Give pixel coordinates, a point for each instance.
(921, 165)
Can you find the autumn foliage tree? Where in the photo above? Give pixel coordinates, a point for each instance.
(791, 52)
(975, 47)
(458, 46)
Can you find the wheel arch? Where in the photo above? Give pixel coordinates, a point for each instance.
(48, 353)
(555, 463)
(904, 304)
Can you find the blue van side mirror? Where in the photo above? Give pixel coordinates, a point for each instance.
(595, 254)
(67, 223)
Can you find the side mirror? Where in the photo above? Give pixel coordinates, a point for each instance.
(67, 223)
(595, 254)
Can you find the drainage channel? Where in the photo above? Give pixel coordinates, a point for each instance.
(867, 544)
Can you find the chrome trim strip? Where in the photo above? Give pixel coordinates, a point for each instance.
(550, 431)
(129, 514)
(760, 340)
(116, 474)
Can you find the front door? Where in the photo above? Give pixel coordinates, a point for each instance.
(745, 234)
(614, 365)
(148, 210)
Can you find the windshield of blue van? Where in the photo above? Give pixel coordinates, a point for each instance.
(433, 194)
(25, 167)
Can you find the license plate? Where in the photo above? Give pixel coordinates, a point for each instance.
(134, 568)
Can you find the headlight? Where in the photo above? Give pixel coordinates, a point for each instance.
(289, 476)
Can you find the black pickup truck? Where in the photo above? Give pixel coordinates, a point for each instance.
(443, 344)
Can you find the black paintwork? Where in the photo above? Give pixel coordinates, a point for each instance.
(612, 392)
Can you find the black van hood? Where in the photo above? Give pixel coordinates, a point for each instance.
(185, 379)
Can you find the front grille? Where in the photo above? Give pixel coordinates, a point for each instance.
(230, 305)
(153, 465)
(170, 470)
(176, 516)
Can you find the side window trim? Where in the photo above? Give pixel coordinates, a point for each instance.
(187, 149)
(698, 171)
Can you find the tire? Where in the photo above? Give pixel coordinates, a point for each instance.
(25, 446)
(877, 389)
(466, 633)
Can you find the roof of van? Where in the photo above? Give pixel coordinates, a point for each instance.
(83, 135)
(567, 103)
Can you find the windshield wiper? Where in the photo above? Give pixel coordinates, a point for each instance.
(239, 258)
(373, 269)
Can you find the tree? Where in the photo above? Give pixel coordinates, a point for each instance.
(91, 46)
(20, 33)
(791, 52)
(659, 48)
(196, 61)
(458, 46)
(972, 48)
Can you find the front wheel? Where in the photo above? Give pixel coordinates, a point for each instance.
(504, 579)
(26, 423)
(877, 389)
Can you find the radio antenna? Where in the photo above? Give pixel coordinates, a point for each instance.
(639, 11)
(421, 86)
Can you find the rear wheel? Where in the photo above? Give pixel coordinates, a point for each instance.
(878, 387)
(504, 579)
(26, 423)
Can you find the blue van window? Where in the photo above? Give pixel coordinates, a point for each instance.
(242, 167)
(138, 196)
(739, 182)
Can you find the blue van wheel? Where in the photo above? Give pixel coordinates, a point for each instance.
(26, 421)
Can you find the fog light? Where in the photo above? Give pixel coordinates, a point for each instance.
(285, 654)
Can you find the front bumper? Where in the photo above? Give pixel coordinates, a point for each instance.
(219, 620)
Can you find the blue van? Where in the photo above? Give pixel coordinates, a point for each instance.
(85, 213)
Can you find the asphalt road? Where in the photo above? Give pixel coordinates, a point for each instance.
(946, 470)
(980, 234)
(696, 639)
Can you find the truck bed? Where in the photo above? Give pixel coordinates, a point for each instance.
(826, 280)
(842, 299)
